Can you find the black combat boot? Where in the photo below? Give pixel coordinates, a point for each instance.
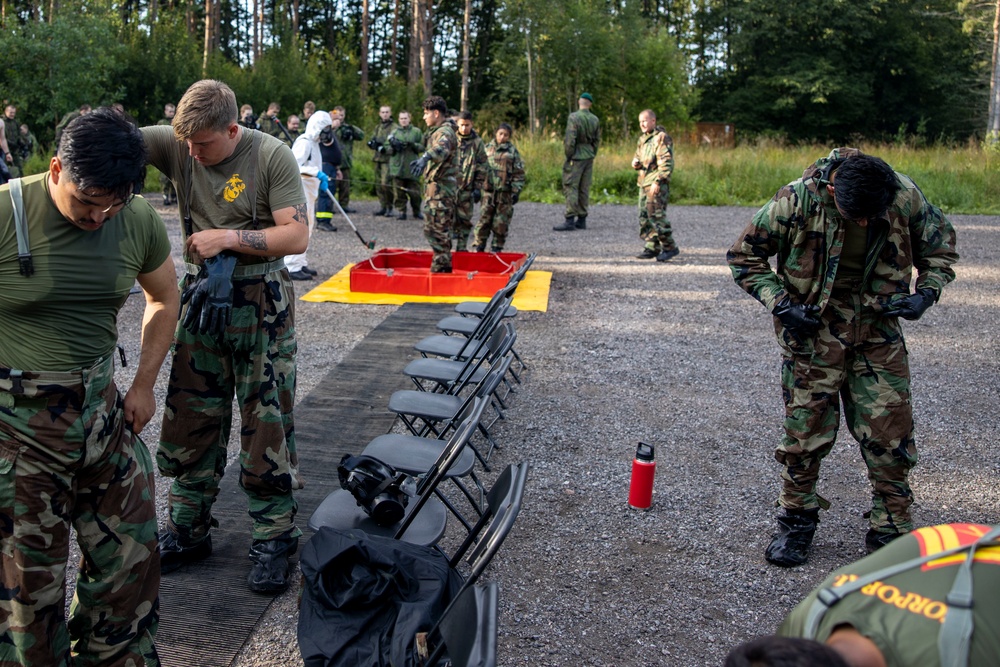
(668, 254)
(417, 214)
(567, 226)
(402, 216)
(390, 213)
(173, 554)
(647, 253)
(581, 222)
(874, 540)
(481, 248)
(381, 211)
(790, 546)
(269, 572)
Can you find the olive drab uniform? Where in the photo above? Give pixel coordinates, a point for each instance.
(169, 193)
(472, 160)
(12, 130)
(440, 188)
(581, 142)
(254, 361)
(905, 613)
(655, 153)
(383, 179)
(406, 187)
(858, 356)
(67, 458)
(504, 181)
(346, 135)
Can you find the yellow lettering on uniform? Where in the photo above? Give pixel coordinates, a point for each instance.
(872, 588)
(936, 611)
(904, 601)
(843, 579)
(917, 606)
(888, 594)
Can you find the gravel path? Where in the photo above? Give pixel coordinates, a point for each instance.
(677, 356)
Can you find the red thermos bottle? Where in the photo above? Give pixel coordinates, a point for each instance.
(640, 491)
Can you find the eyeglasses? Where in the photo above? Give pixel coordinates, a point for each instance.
(115, 207)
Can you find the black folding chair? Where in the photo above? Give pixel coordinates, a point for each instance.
(425, 517)
(426, 412)
(414, 455)
(466, 634)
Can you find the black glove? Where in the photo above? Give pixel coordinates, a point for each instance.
(477, 195)
(515, 197)
(417, 166)
(211, 296)
(374, 144)
(911, 306)
(800, 320)
(396, 144)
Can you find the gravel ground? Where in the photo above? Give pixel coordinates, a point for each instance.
(677, 356)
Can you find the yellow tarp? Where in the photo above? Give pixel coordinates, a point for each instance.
(531, 294)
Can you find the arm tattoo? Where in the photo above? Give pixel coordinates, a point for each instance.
(301, 215)
(251, 239)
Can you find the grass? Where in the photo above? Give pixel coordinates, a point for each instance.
(957, 179)
(964, 179)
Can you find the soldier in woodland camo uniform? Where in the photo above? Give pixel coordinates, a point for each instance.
(846, 236)
(654, 160)
(581, 142)
(440, 169)
(247, 227)
(70, 455)
(472, 159)
(504, 181)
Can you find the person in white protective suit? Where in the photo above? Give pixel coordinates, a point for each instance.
(307, 154)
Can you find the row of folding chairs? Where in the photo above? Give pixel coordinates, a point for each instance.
(463, 382)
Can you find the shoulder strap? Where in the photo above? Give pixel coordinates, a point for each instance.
(25, 265)
(955, 635)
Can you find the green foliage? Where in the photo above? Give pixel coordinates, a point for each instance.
(49, 69)
(829, 71)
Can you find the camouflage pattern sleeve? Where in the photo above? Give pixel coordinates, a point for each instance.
(664, 157)
(517, 171)
(932, 237)
(569, 141)
(479, 157)
(764, 237)
(439, 145)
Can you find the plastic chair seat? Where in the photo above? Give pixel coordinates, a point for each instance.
(425, 405)
(340, 510)
(442, 371)
(414, 455)
(477, 308)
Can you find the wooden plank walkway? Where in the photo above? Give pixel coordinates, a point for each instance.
(206, 610)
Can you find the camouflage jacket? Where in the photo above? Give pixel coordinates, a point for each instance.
(381, 135)
(583, 135)
(472, 159)
(802, 227)
(347, 135)
(413, 145)
(506, 169)
(442, 170)
(655, 153)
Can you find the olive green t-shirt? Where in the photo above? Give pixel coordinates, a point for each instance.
(65, 316)
(219, 198)
(903, 614)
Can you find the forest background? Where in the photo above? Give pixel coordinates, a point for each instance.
(913, 81)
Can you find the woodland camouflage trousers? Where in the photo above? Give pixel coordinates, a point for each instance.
(859, 359)
(67, 459)
(255, 362)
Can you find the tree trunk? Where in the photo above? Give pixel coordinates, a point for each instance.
(209, 18)
(295, 19)
(393, 52)
(255, 30)
(413, 71)
(154, 5)
(993, 129)
(427, 44)
(364, 49)
(532, 102)
(465, 55)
